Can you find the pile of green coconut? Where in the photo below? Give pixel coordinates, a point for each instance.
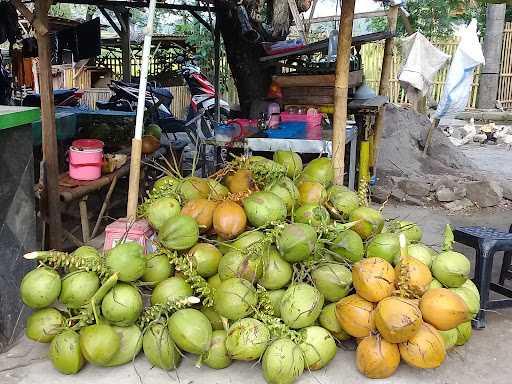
(265, 261)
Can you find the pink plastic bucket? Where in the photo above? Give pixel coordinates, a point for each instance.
(85, 161)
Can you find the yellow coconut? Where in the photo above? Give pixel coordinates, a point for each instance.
(355, 315)
(373, 279)
(240, 181)
(443, 309)
(413, 277)
(397, 319)
(376, 358)
(425, 349)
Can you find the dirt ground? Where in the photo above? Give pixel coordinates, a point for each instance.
(485, 359)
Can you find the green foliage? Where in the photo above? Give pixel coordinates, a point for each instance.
(436, 18)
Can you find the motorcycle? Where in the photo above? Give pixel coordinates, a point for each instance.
(199, 124)
(61, 98)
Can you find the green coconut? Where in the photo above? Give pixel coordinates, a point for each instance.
(166, 181)
(214, 317)
(44, 324)
(384, 245)
(291, 161)
(128, 260)
(311, 192)
(435, 284)
(469, 297)
(246, 239)
(153, 130)
(472, 287)
(296, 242)
(283, 362)
(247, 339)
(464, 332)
(345, 202)
(370, 221)
(65, 354)
(276, 297)
(99, 343)
(190, 330)
(205, 258)
(179, 233)
(312, 214)
(235, 298)
(214, 281)
(130, 345)
(320, 170)
(170, 289)
(122, 305)
(348, 246)
(319, 347)
(159, 348)
(236, 264)
(86, 253)
(262, 208)
(193, 187)
(332, 280)
(451, 268)
(328, 320)
(40, 288)
(160, 210)
(301, 305)
(287, 191)
(78, 287)
(217, 356)
(157, 268)
(411, 230)
(217, 190)
(420, 252)
(276, 271)
(449, 338)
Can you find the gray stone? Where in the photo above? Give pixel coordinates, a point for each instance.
(459, 205)
(446, 181)
(506, 186)
(484, 193)
(445, 195)
(460, 191)
(414, 187)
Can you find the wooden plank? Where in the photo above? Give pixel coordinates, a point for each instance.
(284, 81)
(341, 90)
(361, 15)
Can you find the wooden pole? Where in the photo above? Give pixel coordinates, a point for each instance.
(123, 16)
(341, 89)
(387, 60)
(133, 186)
(49, 136)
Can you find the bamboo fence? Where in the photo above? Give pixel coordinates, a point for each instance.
(505, 84)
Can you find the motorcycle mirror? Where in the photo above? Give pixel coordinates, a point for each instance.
(180, 59)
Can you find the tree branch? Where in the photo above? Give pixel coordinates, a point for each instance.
(30, 17)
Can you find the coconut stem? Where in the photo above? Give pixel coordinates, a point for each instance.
(158, 311)
(198, 284)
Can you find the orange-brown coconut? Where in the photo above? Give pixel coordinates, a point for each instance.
(397, 319)
(443, 309)
(413, 277)
(355, 315)
(229, 220)
(202, 211)
(376, 358)
(240, 181)
(425, 349)
(373, 279)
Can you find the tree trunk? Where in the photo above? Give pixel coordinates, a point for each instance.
(489, 78)
(252, 79)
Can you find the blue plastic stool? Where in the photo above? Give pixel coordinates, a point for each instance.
(486, 242)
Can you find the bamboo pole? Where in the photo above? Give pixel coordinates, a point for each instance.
(133, 186)
(49, 136)
(341, 89)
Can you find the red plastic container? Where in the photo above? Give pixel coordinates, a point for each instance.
(313, 123)
(122, 229)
